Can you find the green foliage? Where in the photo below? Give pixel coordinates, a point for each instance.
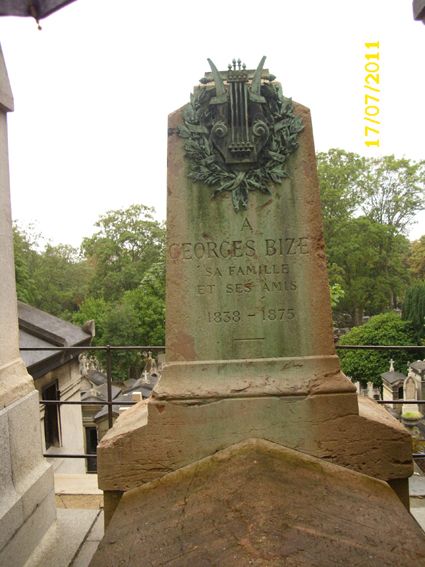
(416, 259)
(337, 293)
(339, 174)
(53, 278)
(414, 308)
(23, 249)
(370, 257)
(367, 254)
(62, 279)
(118, 281)
(393, 190)
(127, 291)
(96, 309)
(384, 329)
(412, 415)
(387, 190)
(128, 243)
(138, 318)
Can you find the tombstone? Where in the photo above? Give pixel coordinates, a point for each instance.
(410, 394)
(249, 343)
(410, 387)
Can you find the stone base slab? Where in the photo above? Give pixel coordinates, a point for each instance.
(26, 539)
(258, 503)
(363, 437)
(291, 376)
(27, 504)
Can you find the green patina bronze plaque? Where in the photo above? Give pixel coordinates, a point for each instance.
(239, 132)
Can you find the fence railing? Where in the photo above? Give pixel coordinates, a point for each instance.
(414, 348)
(109, 349)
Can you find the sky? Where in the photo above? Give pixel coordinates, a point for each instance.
(93, 90)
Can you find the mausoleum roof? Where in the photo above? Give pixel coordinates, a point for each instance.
(40, 329)
(96, 377)
(418, 365)
(393, 377)
(100, 393)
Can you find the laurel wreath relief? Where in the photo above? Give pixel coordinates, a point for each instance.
(208, 167)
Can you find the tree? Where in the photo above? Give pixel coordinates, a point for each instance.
(393, 190)
(337, 293)
(96, 309)
(387, 190)
(414, 309)
(416, 260)
(367, 259)
(52, 278)
(23, 250)
(339, 174)
(62, 279)
(367, 254)
(120, 284)
(384, 329)
(127, 244)
(138, 318)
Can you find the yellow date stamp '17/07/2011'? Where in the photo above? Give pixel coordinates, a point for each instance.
(372, 95)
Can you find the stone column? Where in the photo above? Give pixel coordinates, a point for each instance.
(14, 380)
(27, 507)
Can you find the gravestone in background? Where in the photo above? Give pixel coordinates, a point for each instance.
(250, 351)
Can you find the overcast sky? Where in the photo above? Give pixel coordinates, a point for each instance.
(94, 87)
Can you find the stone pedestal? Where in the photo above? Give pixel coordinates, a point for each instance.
(27, 500)
(14, 379)
(250, 350)
(258, 503)
(27, 506)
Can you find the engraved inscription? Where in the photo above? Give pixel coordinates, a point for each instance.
(246, 280)
(239, 287)
(227, 249)
(272, 314)
(258, 270)
(211, 249)
(287, 246)
(224, 317)
(278, 314)
(279, 286)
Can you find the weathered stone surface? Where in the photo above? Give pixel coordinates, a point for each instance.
(27, 506)
(15, 382)
(295, 376)
(182, 431)
(258, 503)
(255, 282)
(250, 350)
(26, 480)
(14, 379)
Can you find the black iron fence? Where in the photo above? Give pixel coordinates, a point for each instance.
(109, 349)
(414, 348)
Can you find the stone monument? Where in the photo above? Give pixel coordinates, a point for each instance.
(249, 345)
(27, 505)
